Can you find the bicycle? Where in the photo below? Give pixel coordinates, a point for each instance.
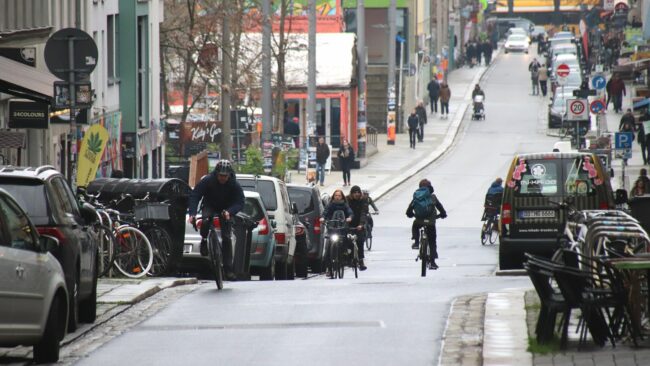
(424, 254)
(103, 228)
(215, 254)
(490, 228)
(368, 228)
(133, 254)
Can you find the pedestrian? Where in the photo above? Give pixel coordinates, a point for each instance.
(322, 153)
(445, 95)
(413, 124)
(434, 93)
(543, 79)
(292, 128)
(346, 159)
(638, 189)
(479, 52)
(617, 91)
(644, 136)
(422, 119)
(533, 67)
(487, 49)
(471, 53)
(627, 122)
(643, 176)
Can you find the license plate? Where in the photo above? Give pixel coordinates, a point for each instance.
(536, 214)
(187, 248)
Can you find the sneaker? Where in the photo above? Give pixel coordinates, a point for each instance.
(362, 266)
(204, 248)
(433, 264)
(415, 246)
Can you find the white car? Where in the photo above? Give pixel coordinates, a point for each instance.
(517, 43)
(517, 30)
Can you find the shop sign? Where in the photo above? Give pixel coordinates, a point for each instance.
(28, 115)
(209, 132)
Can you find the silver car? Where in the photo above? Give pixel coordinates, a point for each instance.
(33, 296)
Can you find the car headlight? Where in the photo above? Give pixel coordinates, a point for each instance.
(334, 237)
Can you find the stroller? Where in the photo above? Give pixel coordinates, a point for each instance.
(479, 109)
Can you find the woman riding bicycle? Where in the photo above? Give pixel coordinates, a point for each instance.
(337, 203)
(493, 196)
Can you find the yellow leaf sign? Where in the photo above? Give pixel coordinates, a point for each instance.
(90, 155)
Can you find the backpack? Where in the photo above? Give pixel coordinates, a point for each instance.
(423, 203)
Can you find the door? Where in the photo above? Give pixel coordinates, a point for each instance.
(24, 268)
(335, 121)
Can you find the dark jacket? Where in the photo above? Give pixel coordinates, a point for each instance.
(360, 211)
(422, 114)
(291, 128)
(441, 210)
(434, 88)
(627, 123)
(495, 188)
(346, 162)
(413, 121)
(322, 153)
(445, 93)
(334, 206)
(476, 92)
(217, 196)
(617, 87)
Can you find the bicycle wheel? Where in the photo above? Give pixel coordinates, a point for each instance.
(484, 233)
(216, 260)
(369, 238)
(355, 261)
(334, 260)
(106, 248)
(494, 232)
(134, 256)
(162, 249)
(424, 245)
(340, 261)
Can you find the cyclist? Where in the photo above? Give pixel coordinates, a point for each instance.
(336, 203)
(223, 196)
(493, 199)
(423, 207)
(359, 206)
(371, 203)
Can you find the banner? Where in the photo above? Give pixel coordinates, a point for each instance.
(90, 155)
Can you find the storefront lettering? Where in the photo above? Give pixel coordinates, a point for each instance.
(200, 133)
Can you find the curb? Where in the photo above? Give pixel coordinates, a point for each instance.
(149, 291)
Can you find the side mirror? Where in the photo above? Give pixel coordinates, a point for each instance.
(88, 213)
(274, 224)
(294, 208)
(48, 243)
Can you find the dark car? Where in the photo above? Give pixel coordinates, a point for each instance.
(49, 202)
(310, 210)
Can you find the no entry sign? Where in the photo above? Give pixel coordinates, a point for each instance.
(563, 70)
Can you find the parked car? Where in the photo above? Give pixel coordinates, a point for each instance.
(48, 200)
(302, 245)
(273, 192)
(530, 220)
(309, 202)
(557, 108)
(517, 43)
(263, 241)
(33, 295)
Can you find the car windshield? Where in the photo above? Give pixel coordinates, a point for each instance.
(556, 41)
(30, 195)
(302, 198)
(252, 208)
(541, 177)
(517, 38)
(560, 102)
(265, 188)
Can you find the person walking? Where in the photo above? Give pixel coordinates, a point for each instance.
(534, 67)
(643, 176)
(471, 53)
(346, 158)
(643, 136)
(434, 93)
(617, 91)
(487, 52)
(445, 95)
(322, 153)
(422, 119)
(543, 79)
(413, 128)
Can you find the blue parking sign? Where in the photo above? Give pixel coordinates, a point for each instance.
(598, 82)
(623, 140)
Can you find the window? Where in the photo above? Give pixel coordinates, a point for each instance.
(17, 227)
(581, 177)
(538, 178)
(30, 195)
(112, 58)
(302, 199)
(266, 189)
(65, 197)
(252, 209)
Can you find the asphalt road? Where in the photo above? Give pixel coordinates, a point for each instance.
(389, 315)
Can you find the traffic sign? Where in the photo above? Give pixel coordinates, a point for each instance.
(597, 106)
(598, 82)
(623, 140)
(563, 70)
(84, 54)
(577, 110)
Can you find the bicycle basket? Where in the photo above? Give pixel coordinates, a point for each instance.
(151, 211)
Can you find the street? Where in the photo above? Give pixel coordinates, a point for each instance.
(389, 315)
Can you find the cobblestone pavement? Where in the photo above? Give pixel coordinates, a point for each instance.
(463, 338)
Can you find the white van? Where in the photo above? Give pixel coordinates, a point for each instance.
(273, 192)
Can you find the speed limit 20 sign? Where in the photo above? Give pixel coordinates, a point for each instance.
(577, 109)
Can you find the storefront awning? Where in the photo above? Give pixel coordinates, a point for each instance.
(25, 81)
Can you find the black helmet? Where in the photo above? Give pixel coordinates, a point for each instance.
(223, 167)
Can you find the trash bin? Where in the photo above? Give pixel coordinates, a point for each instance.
(173, 192)
(243, 226)
(640, 207)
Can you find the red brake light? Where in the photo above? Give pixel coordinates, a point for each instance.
(52, 231)
(263, 227)
(603, 205)
(506, 213)
(317, 225)
(280, 238)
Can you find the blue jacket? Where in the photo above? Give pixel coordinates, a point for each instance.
(336, 206)
(495, 188)
(219, 197)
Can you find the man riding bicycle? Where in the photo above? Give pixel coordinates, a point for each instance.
(359, 206)
(493, 197)
(223, 196)
(423, 208)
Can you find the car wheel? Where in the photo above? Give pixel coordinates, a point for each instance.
(47, 349)
(281, 270)
(88, 307)
(73, 304)
(268, 273)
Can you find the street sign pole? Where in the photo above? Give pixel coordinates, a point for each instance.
(72, 162)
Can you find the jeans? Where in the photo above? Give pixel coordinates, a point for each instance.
(542, 84)
(226, 228)
(346, 173)
(320, 173)
(421, 133)
(535, 83)
(413, 133)
(444, 107)
(431, 236)
(434, 103)
(361, 241)
(618, 102)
